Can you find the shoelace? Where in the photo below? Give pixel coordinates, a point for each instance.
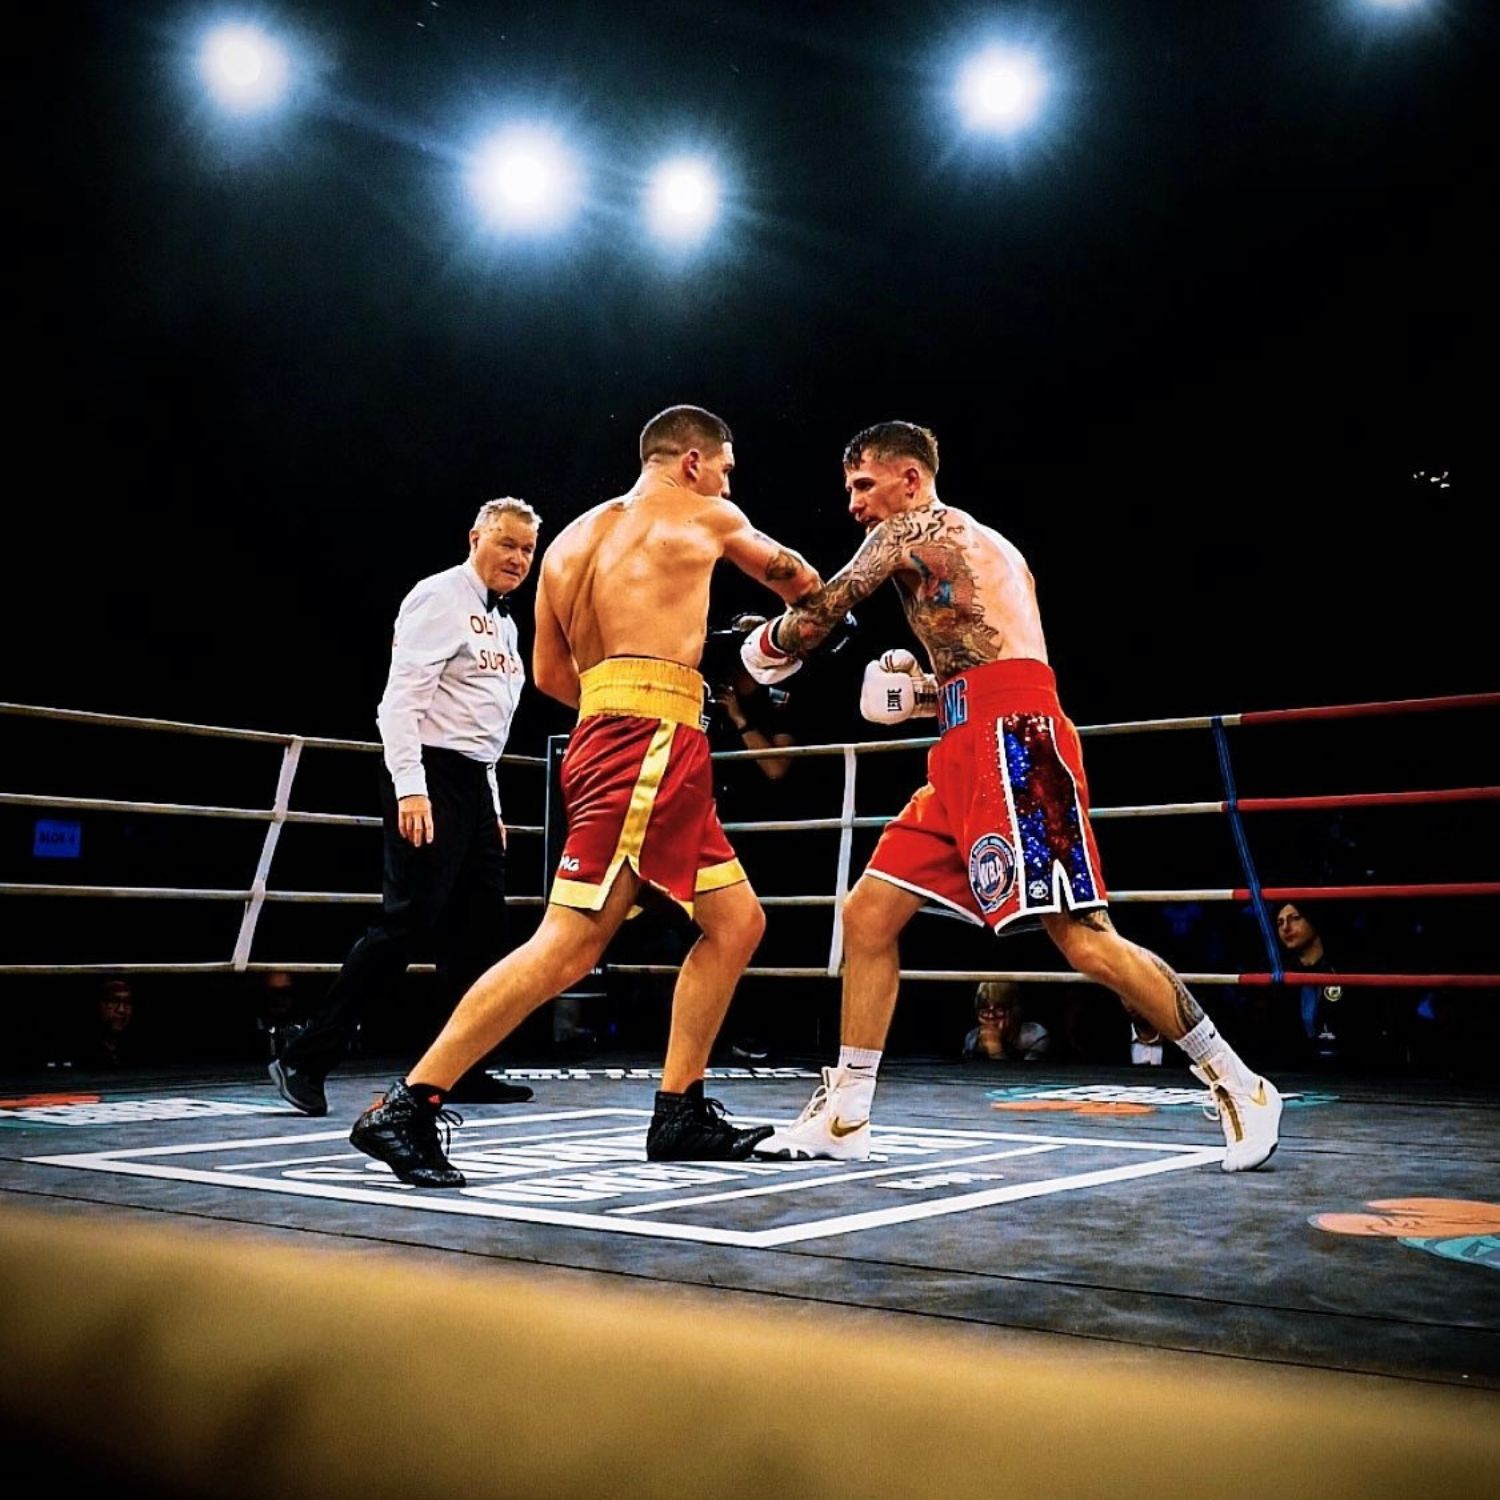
(447, 1118)
(1211, 1109)
(711, 1109)
(815, 1105)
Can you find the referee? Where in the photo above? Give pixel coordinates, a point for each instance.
(455, 677)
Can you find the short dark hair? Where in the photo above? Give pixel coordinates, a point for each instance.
(891, 440)
(679, 428)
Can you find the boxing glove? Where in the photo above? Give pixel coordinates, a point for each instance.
(764, 660)
(887, 697)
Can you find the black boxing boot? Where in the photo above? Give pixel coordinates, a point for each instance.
(402, 1131)
(689, 1127)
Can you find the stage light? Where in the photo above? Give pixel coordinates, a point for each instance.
(1000, 90)
(682, 200)
(525, 179)
(244, 68)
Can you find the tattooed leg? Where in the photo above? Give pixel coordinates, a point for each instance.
(1149, 989)
(1189, 1012)
(1096, 919)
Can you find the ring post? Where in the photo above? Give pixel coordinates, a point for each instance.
(841, 877)
(1242, 847)
(289, 758)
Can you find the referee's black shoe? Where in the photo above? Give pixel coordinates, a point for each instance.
(301, 1086)
(479, 1087)
(688, 1127)
(402, 1131)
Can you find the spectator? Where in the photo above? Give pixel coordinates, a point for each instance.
(749, 717)
(274, 1005)
(111, 1042)
(1003, 1034)
(1317, 1004)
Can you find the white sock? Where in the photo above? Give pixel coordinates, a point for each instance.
(1216, 1057)
(858, 1067)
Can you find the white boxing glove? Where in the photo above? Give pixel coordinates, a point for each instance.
(900, 661)
(887, 697)
(764, 660)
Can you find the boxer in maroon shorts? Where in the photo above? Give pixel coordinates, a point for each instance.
(638, 788)
(621, 620)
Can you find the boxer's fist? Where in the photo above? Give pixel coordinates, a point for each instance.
(887, 697)
(901, 661)
(765, 661)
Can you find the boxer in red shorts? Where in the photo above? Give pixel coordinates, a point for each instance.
(1000, 833)
(1013, 804)
(638, 788)
(621, 619)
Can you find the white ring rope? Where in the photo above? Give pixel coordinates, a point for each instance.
(280, 813)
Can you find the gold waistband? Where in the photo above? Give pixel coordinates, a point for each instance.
(645, 686)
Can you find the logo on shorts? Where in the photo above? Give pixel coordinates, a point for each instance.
(992, 871)
(569, 864)
(953, 708)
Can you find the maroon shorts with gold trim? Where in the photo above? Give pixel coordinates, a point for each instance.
(637, 787)
(1001, 830)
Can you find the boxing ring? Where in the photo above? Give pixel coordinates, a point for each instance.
(1067, 1222)
(280, 815)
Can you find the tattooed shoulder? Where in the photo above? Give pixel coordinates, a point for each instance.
(907, 526)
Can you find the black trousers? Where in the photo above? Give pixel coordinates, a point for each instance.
(448, 896)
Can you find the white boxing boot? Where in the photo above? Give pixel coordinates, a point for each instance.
(1250, 1118)
(835, 1125)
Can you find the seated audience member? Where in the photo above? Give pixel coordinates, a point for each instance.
(1003, 1034)
(110, 1042)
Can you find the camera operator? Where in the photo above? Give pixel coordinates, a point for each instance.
(751, 716)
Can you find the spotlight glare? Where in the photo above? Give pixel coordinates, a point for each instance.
(682, 199)
(1001, 90)
(524, 179)
(243, 68)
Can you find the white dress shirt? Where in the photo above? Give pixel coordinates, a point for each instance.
(455, 679)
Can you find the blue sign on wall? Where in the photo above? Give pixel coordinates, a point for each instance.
(55, 840)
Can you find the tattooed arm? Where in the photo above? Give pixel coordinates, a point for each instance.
(783, 571)
(884, 552)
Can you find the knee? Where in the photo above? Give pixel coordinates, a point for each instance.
(565, 957)
(572, 966)
(744, 933)
(863, 927)
(1088, 953)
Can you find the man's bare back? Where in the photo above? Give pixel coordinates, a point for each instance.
(631, 578)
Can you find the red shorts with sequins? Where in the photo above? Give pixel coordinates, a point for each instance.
(1001, 830)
